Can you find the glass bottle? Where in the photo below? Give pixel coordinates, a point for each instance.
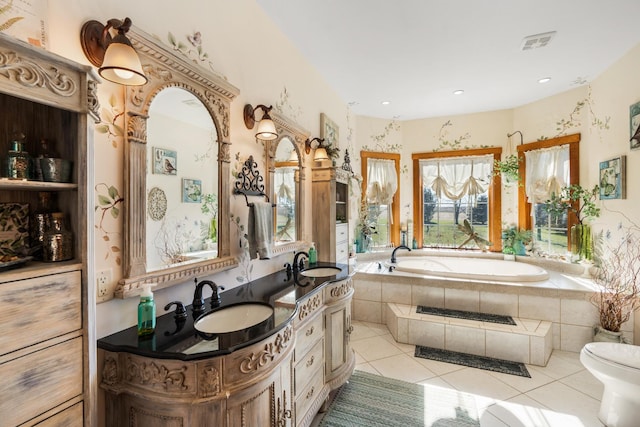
(18, 161)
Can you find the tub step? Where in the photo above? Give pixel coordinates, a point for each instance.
(528, 341)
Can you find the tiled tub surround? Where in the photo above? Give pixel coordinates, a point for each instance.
(563, 299)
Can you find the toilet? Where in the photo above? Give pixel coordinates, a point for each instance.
(618, 367)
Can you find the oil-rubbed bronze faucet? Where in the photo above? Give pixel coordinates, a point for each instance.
(393, 254)
(198, 302)
(299, 265)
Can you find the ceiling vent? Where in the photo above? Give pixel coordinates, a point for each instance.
(537, 40)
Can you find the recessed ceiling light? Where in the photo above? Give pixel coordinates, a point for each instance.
(458, 92)
(386, 102)
(544, 80)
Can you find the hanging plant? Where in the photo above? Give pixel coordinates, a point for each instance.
(509, 168)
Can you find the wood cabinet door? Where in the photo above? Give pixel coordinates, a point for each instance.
(338, 330)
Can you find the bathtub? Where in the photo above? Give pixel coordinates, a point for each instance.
(472, 268)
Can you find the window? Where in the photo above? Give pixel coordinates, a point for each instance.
(548, 166)
(450, 187)
(381, 175)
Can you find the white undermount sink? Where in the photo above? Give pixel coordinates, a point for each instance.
(320, 272)
(233, 318)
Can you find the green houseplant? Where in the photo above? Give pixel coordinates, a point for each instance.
(581, 202)
(618, 277)
(509, 168)
(514, 240)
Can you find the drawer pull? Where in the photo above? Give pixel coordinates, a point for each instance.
(310, 393)
(310, 331)
(310, 361)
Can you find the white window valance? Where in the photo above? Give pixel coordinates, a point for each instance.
(456, 177)
(382, 181)
(547, 172)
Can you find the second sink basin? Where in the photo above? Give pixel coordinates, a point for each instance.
(233, 318)
(320, 272)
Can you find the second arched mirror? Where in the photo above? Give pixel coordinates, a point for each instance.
(285, 183)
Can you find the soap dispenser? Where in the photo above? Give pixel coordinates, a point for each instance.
(313, 254)
(146, 312)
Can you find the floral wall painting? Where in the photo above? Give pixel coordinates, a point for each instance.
(328, 131)
(613, 178)
(634, 121)
(165, 162)
(191, 190)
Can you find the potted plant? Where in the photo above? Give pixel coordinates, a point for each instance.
(618, 278)
(581, 202)
(365, 228)
(514, 241)
(509, 168)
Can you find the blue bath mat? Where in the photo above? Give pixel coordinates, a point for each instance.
(473, 361)
(468, 315)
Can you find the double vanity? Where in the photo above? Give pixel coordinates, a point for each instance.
(268, 355)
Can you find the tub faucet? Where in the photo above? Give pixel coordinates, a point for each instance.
(198, 302)
(393, 254)
(299, 265)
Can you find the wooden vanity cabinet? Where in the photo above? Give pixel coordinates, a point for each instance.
(281, 381)
(47, 310)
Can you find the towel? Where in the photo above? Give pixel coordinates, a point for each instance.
(260, 230)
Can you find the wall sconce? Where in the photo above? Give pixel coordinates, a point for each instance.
(320, 153)
(266, 128)
(115, 57)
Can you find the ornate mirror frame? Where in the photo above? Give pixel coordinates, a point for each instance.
(165, 69)
(286, 128)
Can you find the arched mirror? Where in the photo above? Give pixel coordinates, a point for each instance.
(182, 152)
(286, 184)
(177, 167)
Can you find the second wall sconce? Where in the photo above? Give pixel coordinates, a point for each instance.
(115, 57)
(266, 128)
(320, 153)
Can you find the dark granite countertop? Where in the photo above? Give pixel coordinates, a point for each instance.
(179, 340)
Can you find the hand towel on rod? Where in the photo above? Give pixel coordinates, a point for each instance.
(260, 230)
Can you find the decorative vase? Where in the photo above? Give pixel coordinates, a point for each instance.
(581, 243)
(519, 248)
(603, 335)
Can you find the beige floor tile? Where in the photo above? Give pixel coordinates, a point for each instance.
(361, 330)
(523, 384)
(406, 348)
(480, 383)
(522, 411)
(378, 328)
(375, 348)
(438, 367)
(565, 400)
(559, 366)
(402, 367)
(366, 367)
(585, 382)
(488, 420)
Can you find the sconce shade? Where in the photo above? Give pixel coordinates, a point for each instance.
(320, 154)
(116, 58)
(266, 128)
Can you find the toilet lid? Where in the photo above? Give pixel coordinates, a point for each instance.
(623, 354)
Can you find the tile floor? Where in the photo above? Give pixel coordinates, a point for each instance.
(561, 394)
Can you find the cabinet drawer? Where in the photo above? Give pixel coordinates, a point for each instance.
(306, 367)
(70, 417)
(40, 381)
(309, 394)
(342, 253)
(342, 232)
(307, 336)
(38, 309)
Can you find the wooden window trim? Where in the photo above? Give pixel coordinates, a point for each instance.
(394, 230)
(524, 207)
(495, 193)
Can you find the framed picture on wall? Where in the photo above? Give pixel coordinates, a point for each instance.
(191, 190)
(165, 162)
(328, 131)
(634, 121)
(613, 180)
